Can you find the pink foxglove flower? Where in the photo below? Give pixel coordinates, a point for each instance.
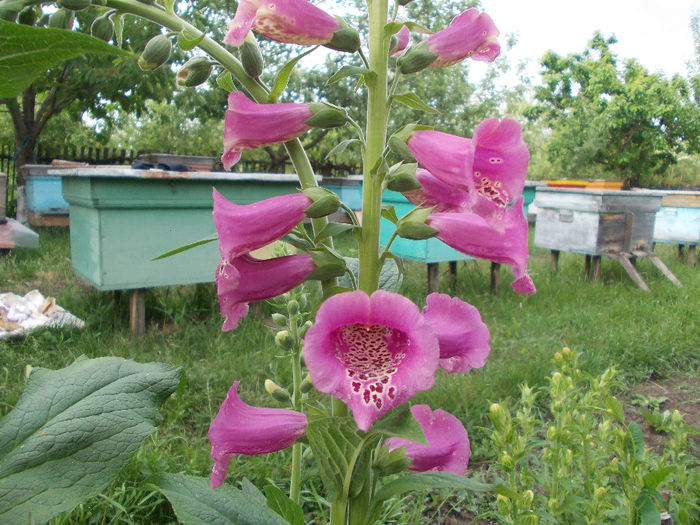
(372, 352)
(462, 335)
(471, 234)
(471, 34)
(242, 228)
(448, 443)
(288, 21)
(438, 194)
(239, 428)
(448, 157)
(403, 37)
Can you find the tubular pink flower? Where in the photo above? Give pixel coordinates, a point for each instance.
(471, 234)
(239, 428)
(463, 337)
(470, 35)
(372, 352)
(448, 443)
(403, 37)
(243, 228)
(288, 21)
(245, 279)
(448, 157)
(500, 167)
(249, 125)
(434, 192)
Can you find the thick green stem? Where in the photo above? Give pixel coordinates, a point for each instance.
(339, 511)
(295, 482)
(376, 139)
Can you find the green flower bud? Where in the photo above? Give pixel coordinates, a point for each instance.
(403, 178)
(326, 115)
(498, 417)
(73, 5)
(102, 28)
(303, 301)
(503, 504)
(194, 72)
(415, 58)
(599, 494)
(27, 16)
(306, 385)
(344, 39)
(553, 504)
(276, 391)
(62, 19)
(304, 328)
(293, 307)
(251, 57)
(528, 519)
(284, 340)
(526, 499)
(397, 142)
(507, 461)
(156, 53)
(412, 225)
(279, 319)
(391, 462)
(325, 202)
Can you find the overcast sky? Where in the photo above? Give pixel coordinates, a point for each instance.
(655, 32)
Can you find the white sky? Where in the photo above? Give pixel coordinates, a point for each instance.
(655, 32)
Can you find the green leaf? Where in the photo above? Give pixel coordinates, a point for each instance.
(334, 440)
(225, 82)
(426, 481)
(637, 438)
(197, 504)
(389, 275)
(189, 38)
(73, 430)
(654, 478)
(253, 492)
(616, 408)
(340, 148)
(646, 512)
(284, 74)
(332, 229)
(413, 101)
(401, 423)
(118, 21)
(389, 213)
(186, 247)
(394, 27)
(26, 52)
(284, 506)
(349, 71)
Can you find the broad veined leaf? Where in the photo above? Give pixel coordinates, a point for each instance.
(349, 71)
(389, 276)
(342, 146)
(197, 504)
(284, 74)
(399, 422)
(284, 506)
(26, 52)
(73, 429)
(413, 101)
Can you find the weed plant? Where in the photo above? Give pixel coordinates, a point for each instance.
(610, 323)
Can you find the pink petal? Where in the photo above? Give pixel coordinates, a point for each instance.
(245, 279)
(295, 22)
(242, 22)
(500, 167)
(434, 192)
(470, 34)
(403, 37)
(471, 234)
(249, 125)
(447, 157)
(448, 443)
(243, 228)
(463, 337)
(372, 352)
(239, 428)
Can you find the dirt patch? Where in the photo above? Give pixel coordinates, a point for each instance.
(680, 393)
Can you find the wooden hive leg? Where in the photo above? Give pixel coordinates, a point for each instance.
(596, 267)
(137, 312)
(691, 255)
(554, 259)
(495, 277)
(631, 271)
(587, 266)
(680, 252)
(453, 274)
(433, 277)
(664, 269)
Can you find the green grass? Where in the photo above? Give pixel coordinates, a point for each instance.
(608, 322)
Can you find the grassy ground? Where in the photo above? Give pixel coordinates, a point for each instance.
(609, 322)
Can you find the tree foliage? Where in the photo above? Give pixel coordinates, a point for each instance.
(615, 121)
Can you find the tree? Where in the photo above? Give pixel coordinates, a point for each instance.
(613, 121)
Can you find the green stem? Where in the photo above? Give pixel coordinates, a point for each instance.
(376, 139)
(339, 511)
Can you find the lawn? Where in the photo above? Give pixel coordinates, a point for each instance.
(650, 337)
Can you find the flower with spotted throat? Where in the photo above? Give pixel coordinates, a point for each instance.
(371, 352)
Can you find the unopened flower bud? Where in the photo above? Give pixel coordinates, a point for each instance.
(503, 504)
(284, 340)
(498, 417)
(73, 5)
(599, 493)
(416, 58)
(304, 328)
(306, 385)
(251, 57)
(326, 115)
(566, 351)
(528, 519)
(293, 307)
(403, 178)
(344, 39)
(507, 461)
(303, 301)
(156, 53)
(412, 225)
(551, 433)
(62, 19)
(102, 28)
(279, 319)
(553, 504)
(194, 72)
(676, 418)
(391, 462)
(276, 391)
(526, 499)
(325, 202)
(27, 16)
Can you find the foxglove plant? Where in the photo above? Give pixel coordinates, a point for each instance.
(370, 350)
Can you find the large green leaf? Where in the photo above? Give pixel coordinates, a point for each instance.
(26, 52)
(73, 429)
(289, 509)
(197, 504)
